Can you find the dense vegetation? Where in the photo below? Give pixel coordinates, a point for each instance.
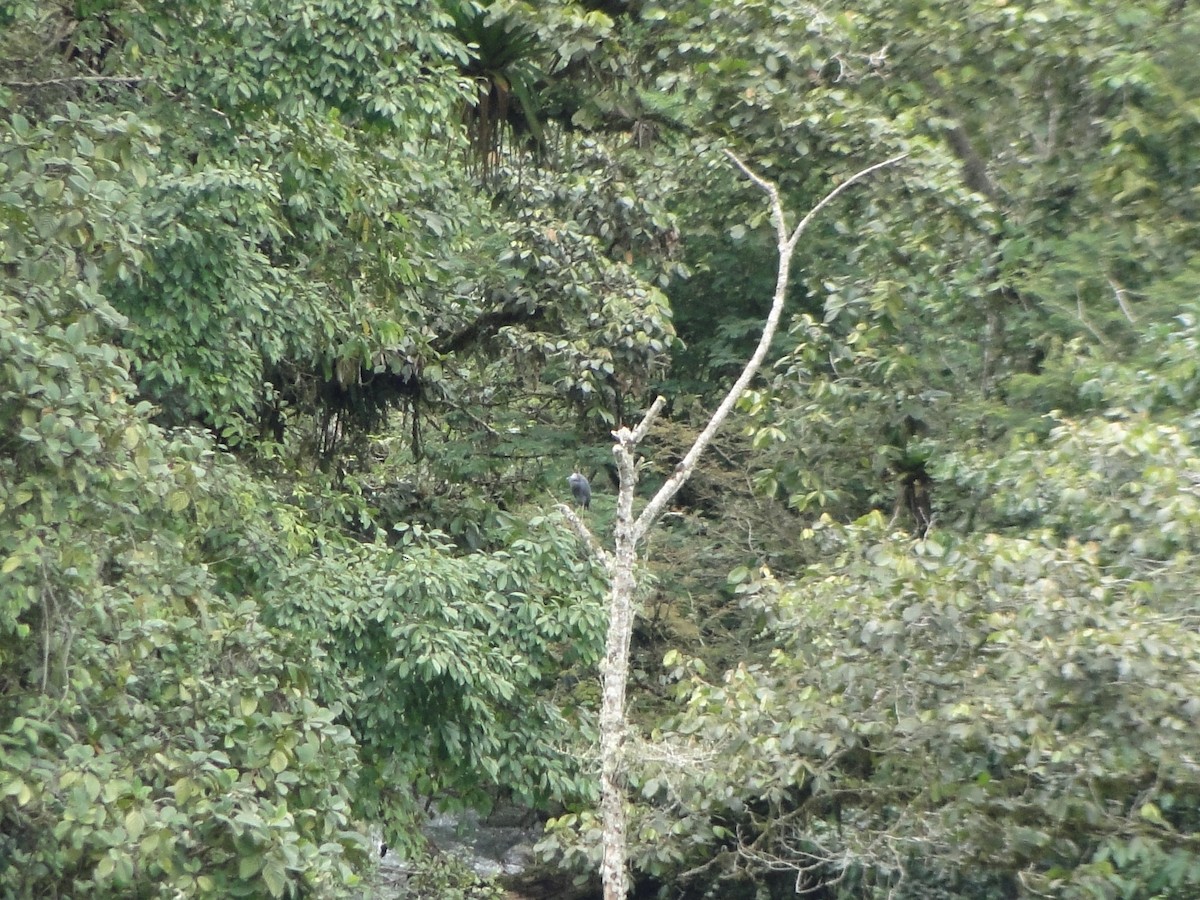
(308, 308)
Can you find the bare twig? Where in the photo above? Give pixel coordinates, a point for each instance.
(47, 598)
(832, 195)
(1088, 325)
(78, 79)
(1120, 292)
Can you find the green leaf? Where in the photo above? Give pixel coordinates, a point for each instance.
(274, 877)
(135, 824)
(250, 864)
(1151, 813)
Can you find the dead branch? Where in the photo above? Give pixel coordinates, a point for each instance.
(628, 532)
(1120, 292)
(786, 244)
(78, 79)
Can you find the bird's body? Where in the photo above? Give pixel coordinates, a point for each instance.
(580, 490)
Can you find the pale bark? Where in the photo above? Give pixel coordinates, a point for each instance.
(629, 532)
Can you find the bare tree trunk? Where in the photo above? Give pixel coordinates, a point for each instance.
(630, 531)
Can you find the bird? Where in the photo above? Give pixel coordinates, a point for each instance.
(580, 490)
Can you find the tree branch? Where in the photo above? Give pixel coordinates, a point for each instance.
(485, 326)
(86, 79)
(832, 195)
(1120, 292)
(585, 535)
(614, 670)
(647, 420)
(786, 245)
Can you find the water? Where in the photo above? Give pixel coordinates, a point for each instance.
(499, 844)
(496, 845)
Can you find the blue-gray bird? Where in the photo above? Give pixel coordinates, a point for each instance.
(580, 490)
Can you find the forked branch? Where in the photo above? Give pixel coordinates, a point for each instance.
(628, 532)
(786, 244)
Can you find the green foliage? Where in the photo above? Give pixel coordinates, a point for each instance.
(990, 706)
(448, 665)
(280, 263)
(503, 64)
(979, 710)
(998, 338)
(65, 390)
(263, 219)
(599, 332)
(224, 189)
(1015, 235)
(383, 64)
(155, 736)
(447, 878)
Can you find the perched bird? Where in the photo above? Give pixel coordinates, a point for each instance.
(580, 490)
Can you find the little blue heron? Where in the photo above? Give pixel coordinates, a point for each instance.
(580, 490)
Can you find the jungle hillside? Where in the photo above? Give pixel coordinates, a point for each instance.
(309, 309)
